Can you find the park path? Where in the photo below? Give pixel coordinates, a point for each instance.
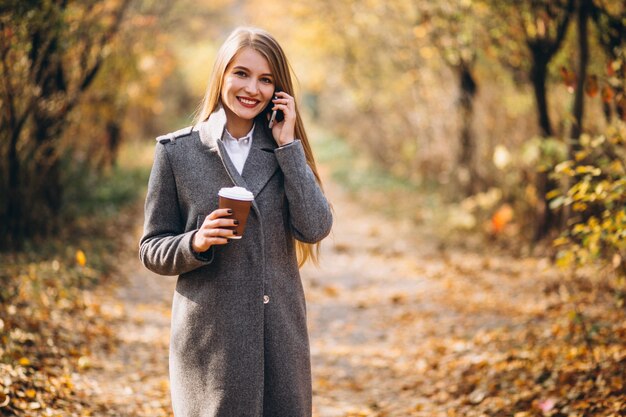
(396, 321)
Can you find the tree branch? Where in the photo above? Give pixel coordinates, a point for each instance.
(16, 122)
(562, 28)
(91, 73)
(10, 103)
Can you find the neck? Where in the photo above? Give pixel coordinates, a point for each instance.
(238, 128)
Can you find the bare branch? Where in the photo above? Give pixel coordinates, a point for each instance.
(15, 121)
(562, 28)
(10, 105)
(104, 40)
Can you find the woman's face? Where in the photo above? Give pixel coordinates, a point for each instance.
(248, 85)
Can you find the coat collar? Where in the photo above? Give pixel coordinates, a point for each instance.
(261, 162)
(212, 129)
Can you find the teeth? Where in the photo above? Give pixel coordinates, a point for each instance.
(245, 101)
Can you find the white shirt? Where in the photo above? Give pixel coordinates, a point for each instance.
(238, 149)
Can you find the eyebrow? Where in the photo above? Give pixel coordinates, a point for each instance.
(244, 68)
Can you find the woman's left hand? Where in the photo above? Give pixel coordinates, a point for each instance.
(284, 132)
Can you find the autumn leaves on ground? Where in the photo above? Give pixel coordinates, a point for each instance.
(402, 323)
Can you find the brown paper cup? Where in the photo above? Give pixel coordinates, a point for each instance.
(240, 210)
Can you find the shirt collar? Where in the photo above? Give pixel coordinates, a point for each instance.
(247, 137)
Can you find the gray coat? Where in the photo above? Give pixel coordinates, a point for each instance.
(231, 353)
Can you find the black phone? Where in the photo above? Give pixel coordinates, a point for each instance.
(277, 115)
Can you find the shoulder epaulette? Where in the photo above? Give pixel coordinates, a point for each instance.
(171, 137)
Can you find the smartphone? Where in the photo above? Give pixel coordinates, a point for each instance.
(277, 115)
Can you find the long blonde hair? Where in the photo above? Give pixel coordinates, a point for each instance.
(265, 44)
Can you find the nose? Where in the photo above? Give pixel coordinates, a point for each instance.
(251, 87)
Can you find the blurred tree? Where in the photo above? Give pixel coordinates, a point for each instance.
(376, 82)
(583, 11)
(540, 25)
(451, 28)
(610, 20)
(141, 62)
(369, 66)
(50, 53)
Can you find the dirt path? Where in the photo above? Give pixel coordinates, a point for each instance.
(132, 378)
(394, 319)
(395, 323)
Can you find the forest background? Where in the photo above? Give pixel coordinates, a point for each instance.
(506, 118)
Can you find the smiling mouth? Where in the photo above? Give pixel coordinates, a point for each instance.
(247, 102)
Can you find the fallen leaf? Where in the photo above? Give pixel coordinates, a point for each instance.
(547, 405)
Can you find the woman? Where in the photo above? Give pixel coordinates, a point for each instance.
(239, 343)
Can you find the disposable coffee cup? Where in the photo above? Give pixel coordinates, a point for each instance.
(239, 200)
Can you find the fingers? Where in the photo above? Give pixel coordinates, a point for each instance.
(202, 242)
(284, 132)
(218, 227)
(283, 104)
(206, 237)
(218, 219)
(215, 233)
(283, 101)
(215, 230)
(282, 95)
(219, 213)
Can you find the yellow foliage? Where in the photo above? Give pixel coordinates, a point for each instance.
(81, 259)
(597, 188)
(565, 259)
(560, 241)
(588, 169)
(564, 168)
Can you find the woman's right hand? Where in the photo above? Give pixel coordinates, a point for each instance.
(211, 232)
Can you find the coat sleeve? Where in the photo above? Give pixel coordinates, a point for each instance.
(309, 211)
(165, 247)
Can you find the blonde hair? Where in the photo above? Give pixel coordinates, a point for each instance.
(265, 44)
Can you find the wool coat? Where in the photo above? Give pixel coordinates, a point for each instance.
(239, 343)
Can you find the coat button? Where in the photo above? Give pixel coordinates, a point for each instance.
(266, 299)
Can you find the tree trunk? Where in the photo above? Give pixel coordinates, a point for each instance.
(466, 158)
(608, 112)
(34, 184)
(583, 61)
(582, 13)
(48, 126)
(114, 137)
(13, 227)
(539, 72)
(48, 170)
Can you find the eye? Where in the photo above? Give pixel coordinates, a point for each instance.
(240, 73)
(266, 80)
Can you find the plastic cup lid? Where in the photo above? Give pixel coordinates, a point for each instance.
(236, 193)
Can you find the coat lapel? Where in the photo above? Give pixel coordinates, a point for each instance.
(261, 162)
(211, 133)
(230, 167)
